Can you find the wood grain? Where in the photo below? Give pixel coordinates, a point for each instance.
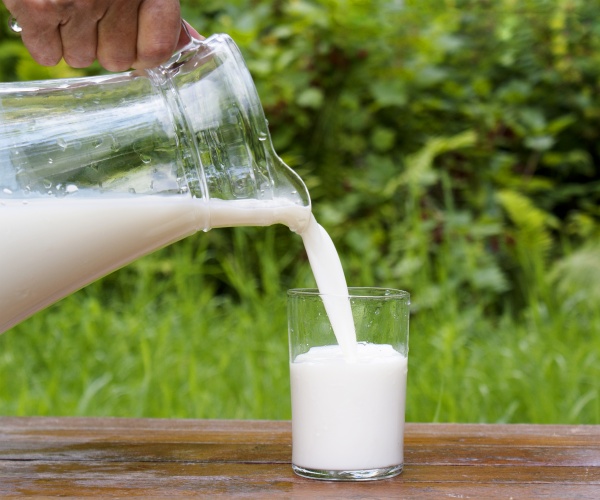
(113, 457)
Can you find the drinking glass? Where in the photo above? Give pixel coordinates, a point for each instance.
(348, 411)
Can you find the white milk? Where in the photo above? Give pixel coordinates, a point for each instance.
(329, 275)
(50, 247)
(348, 415)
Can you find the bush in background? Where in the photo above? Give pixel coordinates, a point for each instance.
(449, 146)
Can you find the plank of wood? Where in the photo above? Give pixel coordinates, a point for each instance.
(223, 459)
(265, 480)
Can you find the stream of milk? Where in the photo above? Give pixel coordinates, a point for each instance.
(331, 282)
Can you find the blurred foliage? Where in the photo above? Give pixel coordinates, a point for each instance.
(451, 147)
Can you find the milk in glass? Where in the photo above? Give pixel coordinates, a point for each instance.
(348, 415)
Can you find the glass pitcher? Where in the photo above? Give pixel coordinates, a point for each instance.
(98, 171)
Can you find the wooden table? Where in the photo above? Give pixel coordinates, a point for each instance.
(114, 457)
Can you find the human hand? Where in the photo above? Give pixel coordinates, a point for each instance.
(120, 34)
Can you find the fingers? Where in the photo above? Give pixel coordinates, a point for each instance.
(44, 45)
(120, 34)
(158, 32)
(117, 35)
(40, 30)
(79, 39)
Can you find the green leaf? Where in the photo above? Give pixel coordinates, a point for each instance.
(419, 166)
(540, 142)
(310, 98)
(389, 93)
(383, 139)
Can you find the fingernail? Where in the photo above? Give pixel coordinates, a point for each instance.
(193, 33)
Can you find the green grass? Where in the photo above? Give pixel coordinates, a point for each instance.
(543, 368)
(165, 337)
(151, 340)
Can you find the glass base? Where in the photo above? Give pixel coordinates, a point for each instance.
(349, 475)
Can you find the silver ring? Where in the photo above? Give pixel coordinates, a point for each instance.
(14, 25)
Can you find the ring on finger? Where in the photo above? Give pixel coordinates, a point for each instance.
(14, 25)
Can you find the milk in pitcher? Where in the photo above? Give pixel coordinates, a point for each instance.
(51, 247)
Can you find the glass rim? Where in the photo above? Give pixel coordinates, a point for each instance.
(361, 292)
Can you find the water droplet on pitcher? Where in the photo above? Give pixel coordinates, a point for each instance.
(50, 161)
(47, 184)
(131, 190)
(145, 158)
(62, 144)
(71, 188)
(115, 146)
(7, 191)
(97, 142)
